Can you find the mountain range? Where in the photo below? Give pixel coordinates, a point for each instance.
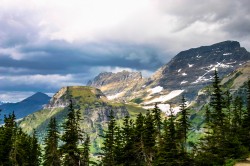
(189, 73)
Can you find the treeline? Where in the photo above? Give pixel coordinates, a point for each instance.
(153, 141)
(20, 149)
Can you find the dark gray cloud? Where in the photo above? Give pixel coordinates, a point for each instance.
(44, 47)
(65, 58)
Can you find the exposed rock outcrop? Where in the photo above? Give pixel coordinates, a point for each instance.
(118, 86)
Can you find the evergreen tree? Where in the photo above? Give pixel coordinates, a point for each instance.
(157, 120)
(51, 156)
(224, 130)
(149, 139)
(118, 146)
(170, 150)
(35, 151)
(21, 149)
(86, 152)
(228, 103)
(127, 135)
(237, 115)
(183, 125)
(207, 115)
(7, 138)
(71, 138)
(211, 148)
(138, 146)
(217, 115)
(161, 159)
(108, 148)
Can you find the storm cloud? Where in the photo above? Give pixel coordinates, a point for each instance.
(47, 44)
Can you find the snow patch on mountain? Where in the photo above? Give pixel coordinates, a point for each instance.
(167, 97)
(202, 79)
(164, 108)
(211, 68)
(111, 97)
(230, 63)
(227, 53)
(198, 56)
(156, 89)
(183, 82)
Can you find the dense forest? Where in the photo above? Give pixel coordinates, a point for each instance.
(149, 140)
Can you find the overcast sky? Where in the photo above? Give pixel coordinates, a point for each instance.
(47, 44)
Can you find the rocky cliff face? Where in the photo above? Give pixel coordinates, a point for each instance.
(193, 69)
(196, 66)
(118, 85)
(77, 94)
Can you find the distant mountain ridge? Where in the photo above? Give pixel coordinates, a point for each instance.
(1, 102)
(26, 106)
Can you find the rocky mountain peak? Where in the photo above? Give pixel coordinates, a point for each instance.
(37, 97)
(108, 77)
(118, 85)
(26, 106)
(195, 66)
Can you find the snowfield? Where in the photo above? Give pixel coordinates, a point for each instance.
(167, 97)
(114, 96)
(164, 108)
(183, 82)
(156, 89)
(227, 53)
(210, 68)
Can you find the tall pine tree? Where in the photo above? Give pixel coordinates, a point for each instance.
(51, 156)
(71, 137)
(86, 152)
(108, 148)
(35, 154)
(183, 125)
